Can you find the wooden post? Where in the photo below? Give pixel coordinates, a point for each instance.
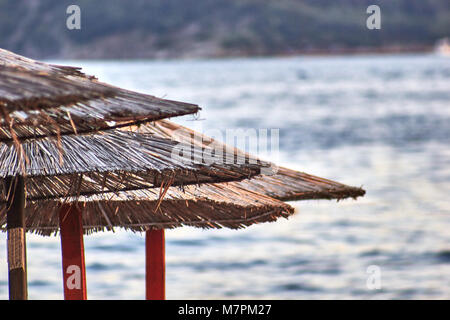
(155, 270)
(72, 247)
(15, 225)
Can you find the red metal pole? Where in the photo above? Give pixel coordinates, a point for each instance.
(155, 270)
(72, 247)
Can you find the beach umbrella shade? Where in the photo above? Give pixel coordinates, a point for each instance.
(78, 104)
(231, 205)
(39, 99)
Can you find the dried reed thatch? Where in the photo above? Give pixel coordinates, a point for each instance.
(212, 206)
(231, 205)
(285, 184)
(39, 99)
(115, 161)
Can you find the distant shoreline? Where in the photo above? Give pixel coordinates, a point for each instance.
(365, 50)
(154, 55)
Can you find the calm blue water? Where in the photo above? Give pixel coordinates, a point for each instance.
(380, 122)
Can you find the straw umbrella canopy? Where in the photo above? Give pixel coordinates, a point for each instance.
(39, 99)
(285, 184)
(231, 205)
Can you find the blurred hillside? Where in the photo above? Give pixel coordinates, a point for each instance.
(211, 28)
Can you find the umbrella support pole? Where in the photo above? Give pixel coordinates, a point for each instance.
(17, 261)
(72, 247)
(155, 267)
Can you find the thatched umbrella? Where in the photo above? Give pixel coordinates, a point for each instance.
(39, 100)
(231, 205)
